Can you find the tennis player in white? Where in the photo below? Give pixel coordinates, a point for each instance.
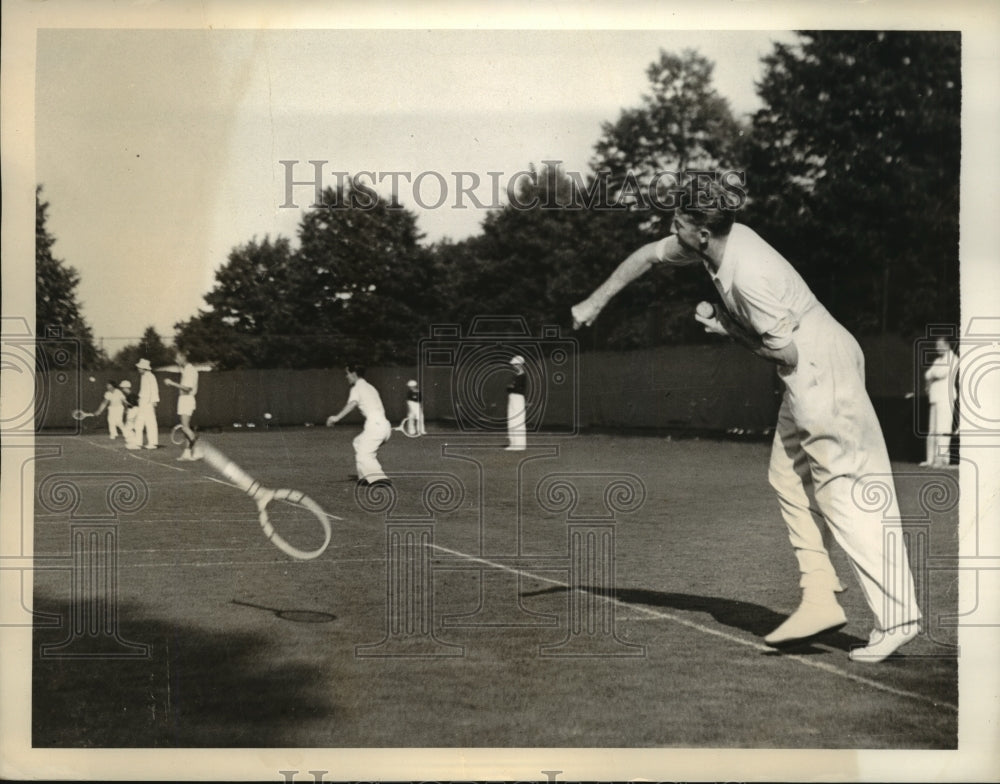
(414, 410)
(149, 398)
(939, 381)
(517, 423)
(827, 437)
(188, 388)
(114, 402)
(376, 431)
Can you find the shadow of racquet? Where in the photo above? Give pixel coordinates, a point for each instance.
(295, 616)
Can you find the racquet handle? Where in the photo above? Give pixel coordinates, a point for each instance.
(229, 469)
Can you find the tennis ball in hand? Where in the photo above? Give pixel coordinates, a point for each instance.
(705, 309)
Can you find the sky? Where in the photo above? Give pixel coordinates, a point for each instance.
(159, 150)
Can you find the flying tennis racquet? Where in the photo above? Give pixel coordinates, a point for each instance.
(177, 436)
(294, 503)
(79, 414)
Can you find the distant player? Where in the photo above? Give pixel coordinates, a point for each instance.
(149, 399)
(131, 414)
(377, 429)
(827, 437)
(517, 431)
(414, 422)
(941, 403)
(188, 388)
(114, 402)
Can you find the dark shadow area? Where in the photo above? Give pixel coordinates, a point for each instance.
(196, 688)
(748, 617)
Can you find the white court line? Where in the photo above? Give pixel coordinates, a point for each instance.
(283, 564)
(827, 668)
(185, 471)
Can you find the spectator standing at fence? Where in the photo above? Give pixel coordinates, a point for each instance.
(939, 386)
(827, 436)
(366, 399)
(517, 430)
(149, 399)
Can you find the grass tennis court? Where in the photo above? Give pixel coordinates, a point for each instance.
(248, 648)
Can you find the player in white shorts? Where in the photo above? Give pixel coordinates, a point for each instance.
(376, 431)
(188, 388)
(827, 437)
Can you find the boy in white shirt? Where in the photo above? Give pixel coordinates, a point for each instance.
(376, 431)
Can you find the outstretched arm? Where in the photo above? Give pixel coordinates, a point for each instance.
(347, 409)
(171, 383)
(634, 267)
(666, 251)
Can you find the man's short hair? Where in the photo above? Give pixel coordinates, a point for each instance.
(357, 370)
(706, 206)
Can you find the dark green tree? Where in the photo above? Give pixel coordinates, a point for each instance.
(250, 319)
(854, 172)
(150, 346)
(361, 280)
(59, 320)
(683, 125)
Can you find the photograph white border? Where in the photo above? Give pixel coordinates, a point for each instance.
(977, 758)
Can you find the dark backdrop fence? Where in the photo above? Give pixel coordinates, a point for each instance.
(684, 389)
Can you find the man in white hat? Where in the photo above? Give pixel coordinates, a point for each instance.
(149, 397)
(517, 430)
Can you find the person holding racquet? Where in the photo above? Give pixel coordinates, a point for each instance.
(188, 388)
(366, 399)
(413, 425)
(131, 415)
(114, 402)
(827, 436)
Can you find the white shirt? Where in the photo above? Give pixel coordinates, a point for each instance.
(115, 398)
(938, 377)
(368, 400)
(762, 291)
(189, 379)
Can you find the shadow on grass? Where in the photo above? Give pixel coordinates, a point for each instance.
(748, 617)
(195, 688)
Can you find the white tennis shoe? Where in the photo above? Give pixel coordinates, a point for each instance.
(818, 612)
(882, 644)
